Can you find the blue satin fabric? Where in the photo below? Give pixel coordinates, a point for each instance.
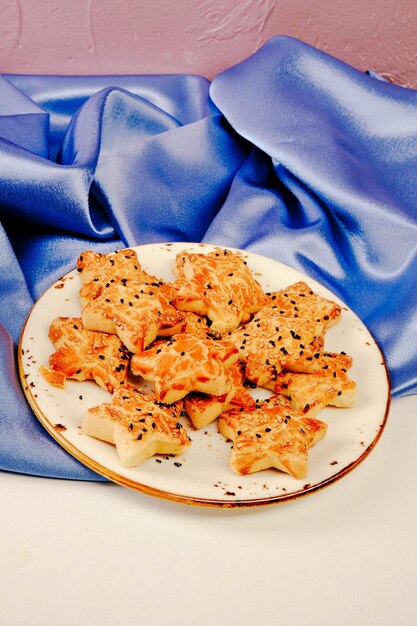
(291, 154)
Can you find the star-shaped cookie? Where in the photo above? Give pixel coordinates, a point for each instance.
(270, 437)
(218, 285)
(137, 425)
(137, 312)
(271, 342)
(186, 363)
(97, 270)
(329, 385)
(299, 300)
(85, 355)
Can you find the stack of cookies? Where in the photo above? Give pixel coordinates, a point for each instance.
(202, 342)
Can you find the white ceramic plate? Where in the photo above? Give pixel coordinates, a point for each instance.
(202, 475)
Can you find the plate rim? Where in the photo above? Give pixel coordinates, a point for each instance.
(124, 481)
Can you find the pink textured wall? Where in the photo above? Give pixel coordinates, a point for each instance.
(200, 36)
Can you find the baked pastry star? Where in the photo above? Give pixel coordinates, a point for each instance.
(299, 300)
(270, 343)
(270, 437)
(137, 425)
(84, 354)
(218, 285)
(328, 386)
(96, 270)
(137, 312)
(186, 363)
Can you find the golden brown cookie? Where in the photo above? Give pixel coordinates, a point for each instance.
(203, 409)
(137, 425)
(136, 312)
(186, 363)
(270, 343)
(299, 300)
(270, 437)
(329, 385)
(85, 355)
(97, 270)
(219, 285)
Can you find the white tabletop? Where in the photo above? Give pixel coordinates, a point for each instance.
(75, 553)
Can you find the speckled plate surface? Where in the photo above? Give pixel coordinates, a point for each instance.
(202, 475)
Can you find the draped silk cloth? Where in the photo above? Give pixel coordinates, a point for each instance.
(291, 154)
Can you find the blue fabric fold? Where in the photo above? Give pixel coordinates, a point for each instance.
(342, 148)
(291, 154)
(22, 121)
